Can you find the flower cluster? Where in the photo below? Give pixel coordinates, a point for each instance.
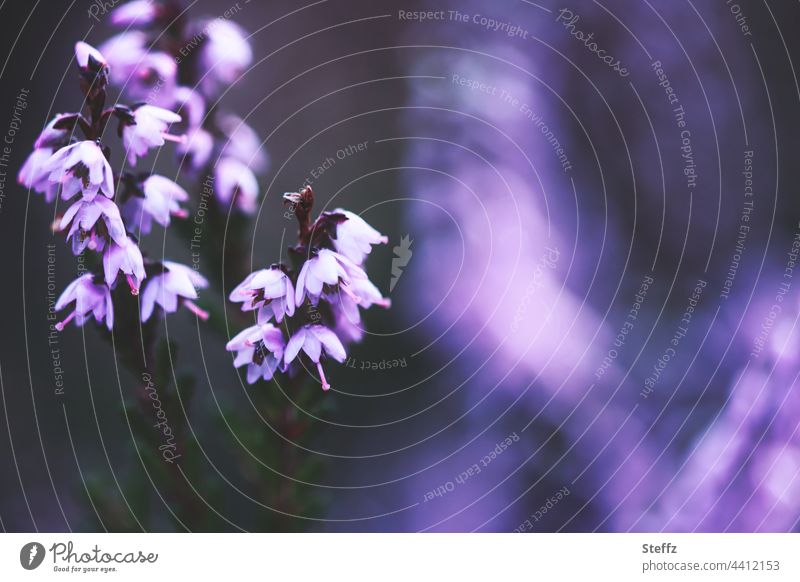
(78, 170)
(165, 59)
(312, 310)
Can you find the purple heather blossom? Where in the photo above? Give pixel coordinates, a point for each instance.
(127, 258)
(146, 76)
(33, 174)
(268, 290)
(225, 54)
(346, 313)
(124, 53)
(83, 51)
(326, 268)
(354, 237)
(81, 167)
(138, 13)
(176, 281)
(236, 182)
(261, 348)
(90, 298)
(195, 150)
(243, 142)
(50, 136)
(162, 198)
(82, 219)
(148, 131)
(315, 340)
(192, 104)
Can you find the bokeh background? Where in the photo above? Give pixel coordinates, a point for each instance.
(546, 196)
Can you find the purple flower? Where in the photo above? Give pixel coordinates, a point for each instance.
(243, 142)
(52, 137)
(236, 182)
(81, 167)
(84, 51)
(84, 229)
(346, 308)
(268, 290)
(124, 54)
(354, 237)
(315, 340)
(90, 298)
(138, 13)
(161, 200)
(126, 258)
(326, 268)
(148, 131)
(196, 149)
(33, 174)
(225, 54)
(176, 281)
(261, 348)
(192, 104)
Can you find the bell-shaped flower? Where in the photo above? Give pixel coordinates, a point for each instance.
(162, 198)
(354, 237)
(243, 143)
(124, 53)
(191, 104)
(224, 56)
(91, 298)
(149, 130)
(235, 182)
(135, 13)
(176, 282)
(260, 348)
(326, 272)
(126, 258)
(84, 52)
(52, 137)
(87, 230)
(362, 293)
(268, 290)
(195, 151)
(81, 167)
(34, 176)
(315, 341)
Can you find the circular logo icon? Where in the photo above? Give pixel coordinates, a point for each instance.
(31, 555)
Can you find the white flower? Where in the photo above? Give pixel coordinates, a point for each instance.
(315, 340)
(177, 281)
(268, 290)
(33, 174)
(148, 131)
(90, 298)
(83, 51)
(50, 136)
(84, 229)
(196, 149)
(126, 258)
(225, 54)
(137, 12)
(162, 198)
(236, 182)
(243, 142)
(81, 167)
(260, 348)
(327, 268)
(346, 308)
(354, 237)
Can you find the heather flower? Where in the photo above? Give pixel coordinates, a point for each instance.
(124, 52)
(195, 150)
(162, 198)
(34, 176)
(192, 104)
(315, 341)
(235, 182)
(81, 167)
(51, 136)
(243, 142)
(261, 348)
(149, 130)
(354, 237)
(146, 76)
(346, 313)
(137, 12)
(84, 228)
(326, 268)
(225, 54)
(90, 298)
(176, 282)
(127, 258)
(84, 53)
(268, 290)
